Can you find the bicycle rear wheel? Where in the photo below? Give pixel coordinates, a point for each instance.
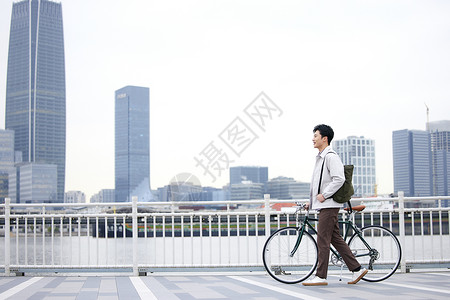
(279, 261)
(382, 258)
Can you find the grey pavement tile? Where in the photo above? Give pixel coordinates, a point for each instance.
(210, 278)
(185, 296)
(92, 282)
(171, 286)
(68, 286)
(81, 278)
(5, 280)
(55, 281)
(89, 289)
(179, 278)
(159, 290)
(85, 295)
(238, 288)
(125, 289)
(234, 294)
(37, 296)
(200, 291)
(61, 296)
(12, 283)
(108, 285)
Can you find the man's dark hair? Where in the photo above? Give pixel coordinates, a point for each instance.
(325, 130)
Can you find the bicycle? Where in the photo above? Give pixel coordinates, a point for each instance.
(290, 254)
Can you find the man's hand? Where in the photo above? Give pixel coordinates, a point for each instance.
(320, 198)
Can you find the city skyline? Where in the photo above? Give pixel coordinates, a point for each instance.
(366, 69)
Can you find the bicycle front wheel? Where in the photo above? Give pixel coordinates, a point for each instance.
(289, 259)
(378, 250)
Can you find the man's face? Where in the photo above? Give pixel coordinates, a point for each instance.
(319, 142)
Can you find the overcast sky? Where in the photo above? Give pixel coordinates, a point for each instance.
(364, 67)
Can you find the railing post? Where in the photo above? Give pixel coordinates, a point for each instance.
(135, 235)
(7, 237)
(267, 214)
(401, 227)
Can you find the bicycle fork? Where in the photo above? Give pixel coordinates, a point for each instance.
(299, 239)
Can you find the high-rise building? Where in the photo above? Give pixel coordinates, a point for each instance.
(412, 162)
(440, 148)
(360, 152)
(132, 143)
(35, 89)
(252, 173)
(6, 161)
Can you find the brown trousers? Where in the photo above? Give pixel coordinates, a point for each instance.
(328, 232)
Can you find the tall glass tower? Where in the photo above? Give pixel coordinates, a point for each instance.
(132, 143)
(440, 148)
(412, 162)
(360, 152)
(36, 89)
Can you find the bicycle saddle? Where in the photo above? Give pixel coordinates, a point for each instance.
(356, 208)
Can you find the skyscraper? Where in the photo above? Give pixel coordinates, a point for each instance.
(6, 161)
(35, 89)
(412, 162)
(360, 152)
(440, 148)
(132, 144)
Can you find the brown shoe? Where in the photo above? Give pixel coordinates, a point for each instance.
(315, 281)
(358, 275)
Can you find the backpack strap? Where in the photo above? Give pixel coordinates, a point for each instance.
(320, 181)
(321, 171)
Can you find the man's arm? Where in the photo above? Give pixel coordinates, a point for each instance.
(336, 173)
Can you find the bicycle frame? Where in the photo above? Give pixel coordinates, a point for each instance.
(349, 227)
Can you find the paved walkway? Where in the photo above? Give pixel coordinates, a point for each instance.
(221, 286)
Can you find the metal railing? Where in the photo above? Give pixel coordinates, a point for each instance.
(141, 237)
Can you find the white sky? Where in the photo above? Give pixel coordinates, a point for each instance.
(364, 67)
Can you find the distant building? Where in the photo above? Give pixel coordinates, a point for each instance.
(213, 194)
(287, 188)
(36, 85)
(162, 193)
(33, 183)
(254, 174)
(412, 162)
(6, 161)
(360, 152)
(186, 191)
(440, 149)
(104, 196)
(74, 197)
(132, 143)
(247, 190)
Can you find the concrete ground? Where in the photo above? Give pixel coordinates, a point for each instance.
(224, 285)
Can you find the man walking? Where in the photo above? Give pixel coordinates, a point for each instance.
(328, 177)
